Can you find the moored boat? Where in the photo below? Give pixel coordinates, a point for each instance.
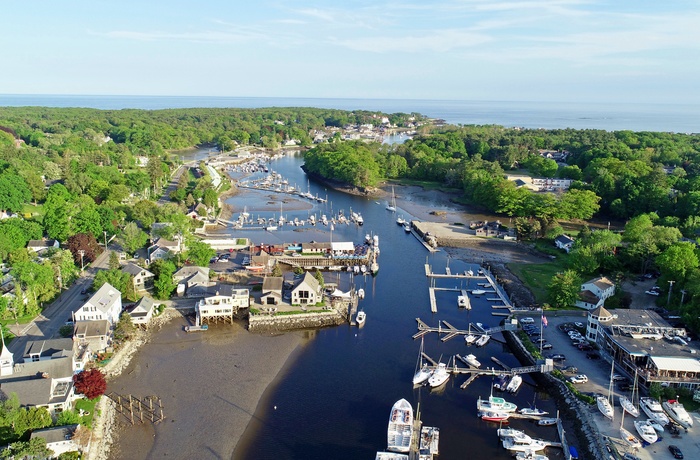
(547, 421)
(514, 383)
(501, 382)
(407, 227)
(360, 293)
(494, 416)
(483, 340)
(469, 339)
(530, 455)
(478, 291)
(678, 413)
(646, 431)
(400, 430)
(463, 302)
(630, 439)
(440, 376)
(524, 444)
(361, 318)
(495, 403)
(423, 372)
(533, 411)
(654, 411)
(469, 360)
(505, 433)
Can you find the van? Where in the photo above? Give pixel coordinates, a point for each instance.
(527, 320)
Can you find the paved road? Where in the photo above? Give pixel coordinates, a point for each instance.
(165, 197)
(55, 315)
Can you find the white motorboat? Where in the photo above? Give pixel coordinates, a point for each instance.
(655, 425)
(470, 360)
(678, 413)
(469, 339)
(400, 430)
(495, 403)
(407, 227)
(400, 220)
(533, 411)
(514, 383)
(483, 340)
(646, 431)
(463, 302)
(628, 406)
(605, 407)
(524, 444)
(423, 372)
(360, 318)
(530, 455)
(478, 291)
(501, 382)
(654, 411)
(440, 376)
(547, 421)
(360, 293)
(505, 433)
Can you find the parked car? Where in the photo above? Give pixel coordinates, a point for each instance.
(224, 257)
(581, 378)
(592, 355)
(546, 346)
(213, 260)
(650, 292)
(558, 357)
(577, 324)
(585, 347)
(675, 451)
(618, 378)
(527, 320)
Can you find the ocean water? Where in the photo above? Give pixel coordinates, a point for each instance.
(526, 114)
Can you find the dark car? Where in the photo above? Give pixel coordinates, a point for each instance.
(557, 357)
(623, 386)
(675, 451)
(585, 347)
(84, 291)
(592, 355)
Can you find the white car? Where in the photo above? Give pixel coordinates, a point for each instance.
(650, 292)
(581, 378)
(527, 320)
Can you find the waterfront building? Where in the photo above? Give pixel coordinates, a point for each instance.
(306, 291)
(140, 277)
(95, 335)
(272, 290)
(193, 281)
(222, 302)
(142, 311)
(641, 341)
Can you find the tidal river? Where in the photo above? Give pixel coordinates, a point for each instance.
(332, 400)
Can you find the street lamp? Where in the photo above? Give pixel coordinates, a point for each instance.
(105, 232)
(82, 253)
(670, 288)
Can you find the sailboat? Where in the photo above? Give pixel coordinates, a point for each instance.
(628, 403)
(423, 372)
(603, 402)
(628, 437)
(392, 206)
(400, 220)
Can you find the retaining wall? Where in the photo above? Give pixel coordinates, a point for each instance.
(267, 323)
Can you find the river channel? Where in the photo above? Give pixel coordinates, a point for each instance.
(335, 398)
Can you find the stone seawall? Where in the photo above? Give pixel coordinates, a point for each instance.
(282, 323)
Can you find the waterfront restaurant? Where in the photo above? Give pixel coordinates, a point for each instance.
(641, 341)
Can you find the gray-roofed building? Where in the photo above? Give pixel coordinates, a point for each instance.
(142, 278)
(193, 281)
(96, 335)
(642, 341)
(40, 350)
(564, 242)
(41, 384)
(142, 311)
(272, 290)
(59, 439)
(594, 292)
(306, 291)
(222, 301)
(105, 304)
(40, 246)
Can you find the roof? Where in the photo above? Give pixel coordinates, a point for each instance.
(41, 243)
(189, 270)
(54, 348)
(272, 283)
(134, 269)
(227, 290)
(89, 329)
(323, 245)
(343, 246)
(55, 434)
(676, 364)
(142, 307)
(56, 368)
(310, 281)
(105, 298)
(588, 297)
(564, 239)
(601, 312)
(602, 283)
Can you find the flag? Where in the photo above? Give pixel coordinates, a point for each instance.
(544, 321)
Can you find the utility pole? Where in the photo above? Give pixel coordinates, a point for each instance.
(82, 253)
(670, 288)
(105, 232)
(683, 291)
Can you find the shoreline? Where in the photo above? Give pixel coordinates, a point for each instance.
(230, 357)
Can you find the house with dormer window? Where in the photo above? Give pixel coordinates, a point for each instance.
(105, 304)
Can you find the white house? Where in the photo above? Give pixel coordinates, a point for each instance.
(564, 242)
(306, 291)
(142, 278)
(163, 249)
(597, 319)
(59, 439)
(272, 290)
(193, 281)
(222, 302)
(40, 246)
(594, 292)
(105, 304)
(95, 335)
(142, 311)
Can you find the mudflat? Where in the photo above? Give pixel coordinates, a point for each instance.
(210, 383)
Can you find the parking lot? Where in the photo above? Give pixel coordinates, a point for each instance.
(598, 374)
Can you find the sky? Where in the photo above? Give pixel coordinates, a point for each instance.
(496, 50)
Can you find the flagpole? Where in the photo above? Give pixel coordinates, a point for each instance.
(541, 329)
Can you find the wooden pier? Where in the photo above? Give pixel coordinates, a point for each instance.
(490, 284)
(149, 408)
(450, 331)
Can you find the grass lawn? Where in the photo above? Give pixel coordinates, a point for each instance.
(537, 277)
(429, 185)
(88, 405)
(30, 210)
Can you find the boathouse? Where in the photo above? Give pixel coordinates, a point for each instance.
(272, 290)
(223, 302)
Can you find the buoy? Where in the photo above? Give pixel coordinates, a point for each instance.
(275, 407)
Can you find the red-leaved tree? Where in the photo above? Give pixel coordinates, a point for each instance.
(90, 383)
(87, 243)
